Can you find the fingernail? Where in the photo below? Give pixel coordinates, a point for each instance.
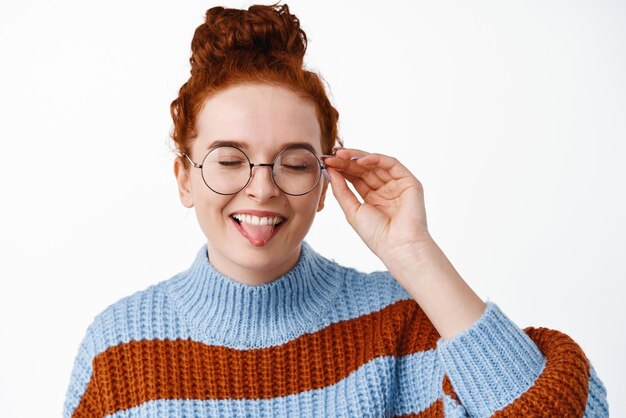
(337, 147)
(326, 175)
(356, 157)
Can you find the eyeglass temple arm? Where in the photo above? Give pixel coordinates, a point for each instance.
(325, 172)
(191, 161)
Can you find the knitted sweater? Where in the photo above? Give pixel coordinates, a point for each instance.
(322, 340)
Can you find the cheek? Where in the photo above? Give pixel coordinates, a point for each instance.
(209, 206)
(307, 206)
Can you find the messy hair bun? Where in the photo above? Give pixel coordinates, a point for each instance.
(261, 32)
(261, 44)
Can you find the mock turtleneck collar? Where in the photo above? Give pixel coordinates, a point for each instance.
(230, 313)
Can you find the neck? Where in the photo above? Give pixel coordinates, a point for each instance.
(260, 266)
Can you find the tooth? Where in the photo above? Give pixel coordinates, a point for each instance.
(256, 220)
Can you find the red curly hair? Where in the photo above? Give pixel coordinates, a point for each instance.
(262, 44)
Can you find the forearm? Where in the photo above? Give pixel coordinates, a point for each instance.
(429, 277)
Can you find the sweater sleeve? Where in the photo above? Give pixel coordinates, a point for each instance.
(496, 369)
(81, 378)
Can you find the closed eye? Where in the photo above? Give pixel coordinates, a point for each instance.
(296, 167)
(230, 163)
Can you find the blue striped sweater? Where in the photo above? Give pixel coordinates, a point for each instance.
(322, 340)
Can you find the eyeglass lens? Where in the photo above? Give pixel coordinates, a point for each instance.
(226, 170)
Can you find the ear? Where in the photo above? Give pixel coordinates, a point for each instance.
(184, 183)
(320, 204)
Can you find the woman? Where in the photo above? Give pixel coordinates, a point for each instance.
(261, 325)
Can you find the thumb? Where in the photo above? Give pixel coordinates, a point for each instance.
(347, 200)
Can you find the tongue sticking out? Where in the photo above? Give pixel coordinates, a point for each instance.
(258, 235)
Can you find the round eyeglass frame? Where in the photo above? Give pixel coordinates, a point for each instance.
(252, 165)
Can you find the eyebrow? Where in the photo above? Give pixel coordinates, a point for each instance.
(244, 146)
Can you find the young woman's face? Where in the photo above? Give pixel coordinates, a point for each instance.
(262, 120)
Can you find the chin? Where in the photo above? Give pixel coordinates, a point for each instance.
(237, 257)
(274, 252)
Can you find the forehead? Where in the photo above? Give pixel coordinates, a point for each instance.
(259, 116)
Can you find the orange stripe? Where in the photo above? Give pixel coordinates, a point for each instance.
(562, 389)
(448, 389)
(130, 374)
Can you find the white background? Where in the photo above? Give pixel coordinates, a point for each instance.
(512, 114)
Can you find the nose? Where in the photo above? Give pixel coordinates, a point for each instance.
(261, 185)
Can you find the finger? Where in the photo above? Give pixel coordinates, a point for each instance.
(368, 176)
(390, 165)
(360, 185)
(347, 153)
(376, 169)
(345, 156)
(347, 200)
(346, 164)
(343, 164)
(381, 173)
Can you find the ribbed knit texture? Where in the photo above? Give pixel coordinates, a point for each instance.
(322, 340)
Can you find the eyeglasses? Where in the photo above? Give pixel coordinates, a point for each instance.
(227, 170)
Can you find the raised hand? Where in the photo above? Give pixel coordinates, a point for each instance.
(391, 219)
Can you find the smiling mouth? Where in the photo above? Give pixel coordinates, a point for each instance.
(257, 220)
(259, 230)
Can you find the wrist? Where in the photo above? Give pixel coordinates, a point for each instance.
(433, 282)
(404, 259)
